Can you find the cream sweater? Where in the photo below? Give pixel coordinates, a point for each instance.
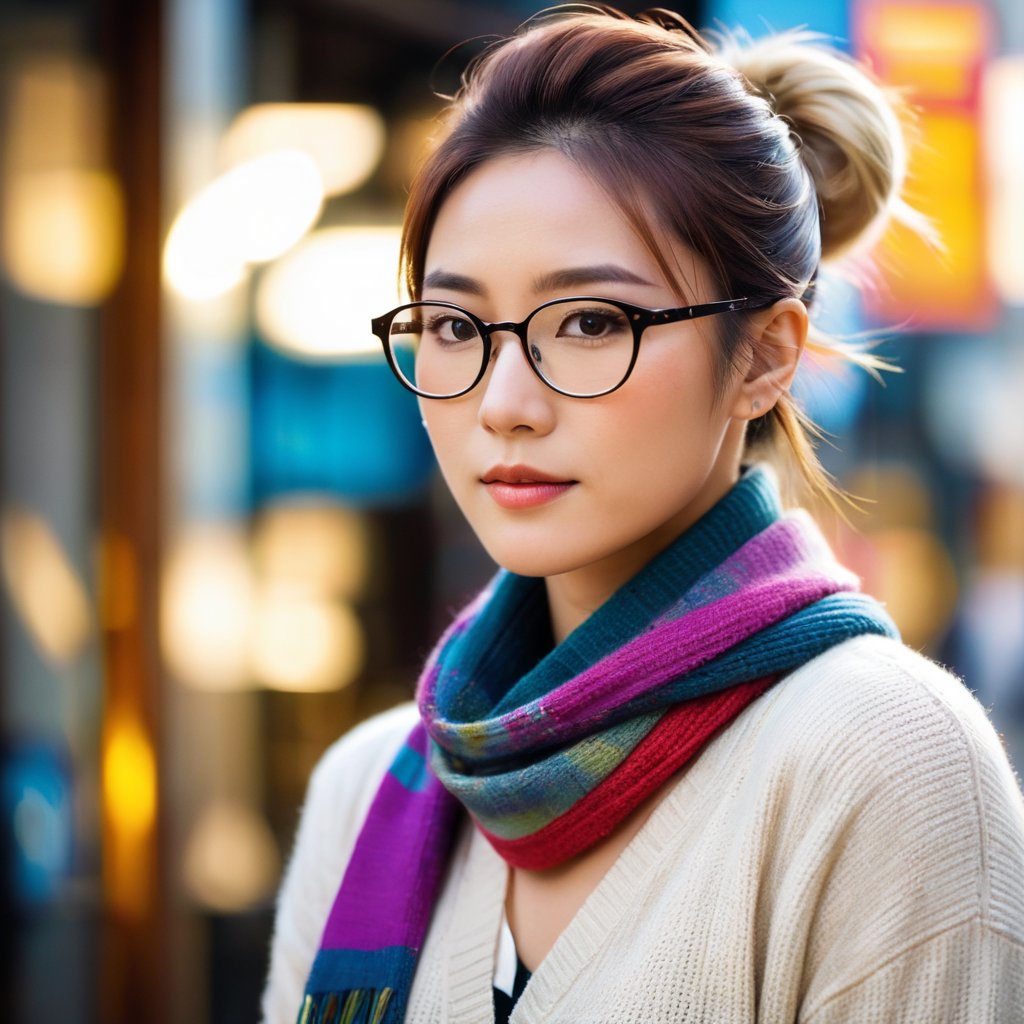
(850, 849)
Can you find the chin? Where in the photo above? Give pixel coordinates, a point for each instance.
(527, 556)
(532, 560)
(532, 565)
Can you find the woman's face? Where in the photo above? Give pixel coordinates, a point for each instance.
(552, 485)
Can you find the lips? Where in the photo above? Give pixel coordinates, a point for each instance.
(521, 487)
(521, 475)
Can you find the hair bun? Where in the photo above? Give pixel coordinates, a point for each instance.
(850, 136)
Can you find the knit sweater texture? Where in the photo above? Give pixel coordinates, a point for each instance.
(849, 849)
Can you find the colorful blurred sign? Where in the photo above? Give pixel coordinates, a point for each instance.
(829, 17)
(935, 53)
(348, 430)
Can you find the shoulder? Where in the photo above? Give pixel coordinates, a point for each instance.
(909, 820)
(880, 696)
(347, 775)
(892, 756)
(368, 741)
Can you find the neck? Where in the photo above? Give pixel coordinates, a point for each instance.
(574, 596)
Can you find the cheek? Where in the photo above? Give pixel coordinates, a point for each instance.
(660, 449)
(666, 448)
(448, 425)
(667, 415)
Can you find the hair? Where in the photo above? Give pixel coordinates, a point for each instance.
(765, 158)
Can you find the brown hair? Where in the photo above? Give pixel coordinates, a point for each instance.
(764, 158)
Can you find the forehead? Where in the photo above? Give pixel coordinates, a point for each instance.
(521, 218)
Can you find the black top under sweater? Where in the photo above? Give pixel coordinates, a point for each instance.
(503, 1003)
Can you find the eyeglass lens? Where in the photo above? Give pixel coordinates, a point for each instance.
(583, 348)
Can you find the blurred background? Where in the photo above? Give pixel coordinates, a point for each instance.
(222, 540)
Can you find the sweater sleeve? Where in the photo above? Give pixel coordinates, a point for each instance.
(969, 974)
(340, 791)
(920, 910)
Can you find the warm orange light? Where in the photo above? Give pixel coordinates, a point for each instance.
(933, 287)
(129, 779)
(305, 643)
(56, 113)
(916, 580)
(63, 235)
(930, 46)
(130, 805)
(934, 53)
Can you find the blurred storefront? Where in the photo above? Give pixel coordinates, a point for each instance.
(222, 540)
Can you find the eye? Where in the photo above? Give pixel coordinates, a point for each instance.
(451, 328)
(591, 323)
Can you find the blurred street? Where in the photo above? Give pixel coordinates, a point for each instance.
(223, 539)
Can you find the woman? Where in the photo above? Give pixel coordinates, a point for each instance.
(670, 766)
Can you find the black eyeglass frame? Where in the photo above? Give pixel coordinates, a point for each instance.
(639, 318)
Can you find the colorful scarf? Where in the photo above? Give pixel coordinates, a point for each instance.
(548, 749)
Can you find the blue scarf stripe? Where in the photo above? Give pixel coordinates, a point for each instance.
(345, 986)
(410, 769)
(337, 969)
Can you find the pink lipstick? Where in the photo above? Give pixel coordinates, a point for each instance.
(519, 487)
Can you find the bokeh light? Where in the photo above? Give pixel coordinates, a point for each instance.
(344, 140)
(304, 642)
(317, 301)
(231, 860)
(274, 613)
(897, 551)
(44, 587)
(129, 783)
(63, 234)
(36, 797)
(250, 214)
(935, 53)
(129, 778)
(63, 211)
(915, 579)
(311, 558)
(206, 608)
(312, 546)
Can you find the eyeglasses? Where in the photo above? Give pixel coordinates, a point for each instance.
(580, 347)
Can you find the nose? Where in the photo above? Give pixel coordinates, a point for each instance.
(513, 397)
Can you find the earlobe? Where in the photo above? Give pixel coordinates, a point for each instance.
(777, 341)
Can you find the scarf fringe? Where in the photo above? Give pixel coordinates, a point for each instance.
(353, 1006)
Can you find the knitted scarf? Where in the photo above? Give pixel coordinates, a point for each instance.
(548, 749)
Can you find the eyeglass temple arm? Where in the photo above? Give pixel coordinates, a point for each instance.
(674, 315)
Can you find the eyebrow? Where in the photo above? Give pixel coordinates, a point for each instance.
(574, 277)
(556, 280)
(450, 282)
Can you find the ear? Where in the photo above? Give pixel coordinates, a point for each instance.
(777, 338)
